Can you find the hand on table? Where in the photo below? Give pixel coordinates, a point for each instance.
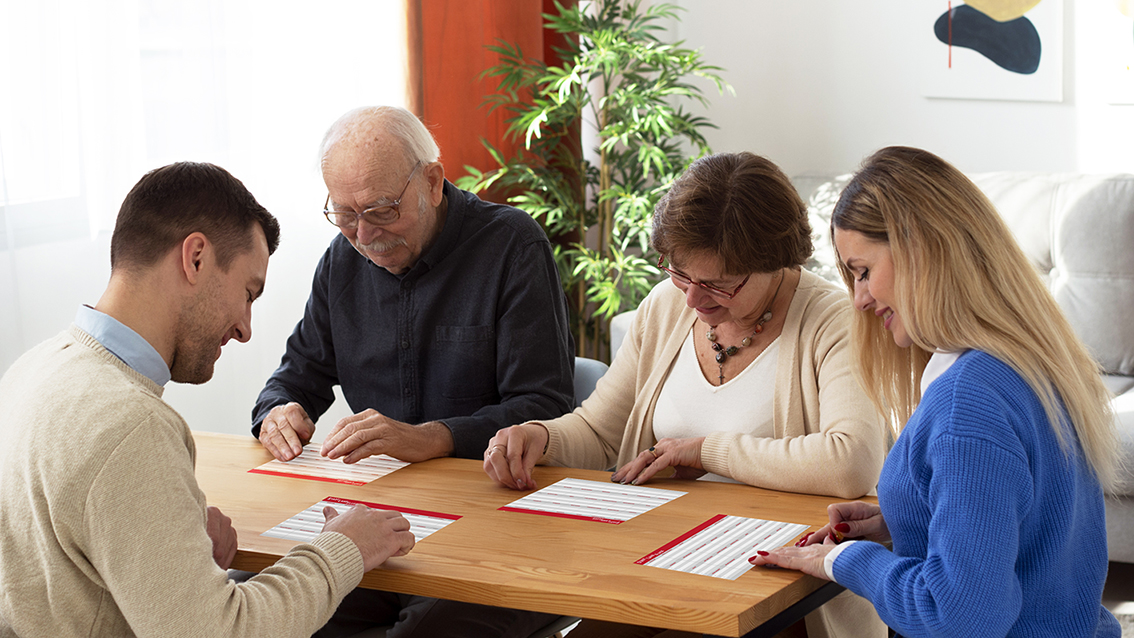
(285, 431)
(370, 432)
(223, 534)
(847, 521)
(857, 521)
(682, 454)
(808, 559)
(378, 534)
(512, 454)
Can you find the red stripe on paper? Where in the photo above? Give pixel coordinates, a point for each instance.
(612, 521)
(379, 506)
(325, 479)
(677, 541)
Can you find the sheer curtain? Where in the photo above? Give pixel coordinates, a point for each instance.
(93, 93)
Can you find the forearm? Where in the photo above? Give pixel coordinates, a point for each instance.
(839, 463)
(470, 434)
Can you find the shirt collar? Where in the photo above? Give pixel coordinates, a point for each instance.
(123, 343)
(938, 364)
(451, 231)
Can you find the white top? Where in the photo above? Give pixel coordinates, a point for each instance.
(689, 406)
(935, 367)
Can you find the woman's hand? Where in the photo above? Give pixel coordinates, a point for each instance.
(512, 454)
(808, 560)
(683, 454)
(857, 520)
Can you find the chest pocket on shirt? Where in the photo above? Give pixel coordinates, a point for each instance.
(467, 360)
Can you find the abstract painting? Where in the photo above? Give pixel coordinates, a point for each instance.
(992, 49)
(1118, 27)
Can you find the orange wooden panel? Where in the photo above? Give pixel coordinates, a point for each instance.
(453, 55)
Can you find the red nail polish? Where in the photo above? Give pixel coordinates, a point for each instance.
(761, 553)
(842, 527)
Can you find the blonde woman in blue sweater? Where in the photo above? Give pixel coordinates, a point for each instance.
(990, 519)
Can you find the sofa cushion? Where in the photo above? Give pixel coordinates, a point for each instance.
(1078, 230)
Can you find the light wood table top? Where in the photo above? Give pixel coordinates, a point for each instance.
(520, 560)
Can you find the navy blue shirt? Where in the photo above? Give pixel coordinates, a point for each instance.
(474, 335)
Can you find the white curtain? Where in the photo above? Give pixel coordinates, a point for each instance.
(93, 93)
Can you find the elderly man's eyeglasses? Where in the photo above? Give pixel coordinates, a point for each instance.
(683, 279)
(379, 215)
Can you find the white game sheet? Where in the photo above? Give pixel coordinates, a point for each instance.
(721, 546)
(310, 465)
(592, 500)
(306, 525)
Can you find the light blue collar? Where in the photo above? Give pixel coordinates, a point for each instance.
(123, 343)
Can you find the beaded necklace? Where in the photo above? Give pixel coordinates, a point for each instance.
(724, 352)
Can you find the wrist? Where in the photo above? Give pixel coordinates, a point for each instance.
(542, 432)
(439, 438)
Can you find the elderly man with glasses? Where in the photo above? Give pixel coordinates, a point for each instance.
(439, 315)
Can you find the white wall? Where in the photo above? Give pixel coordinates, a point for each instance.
(820, 84)
(260, 85)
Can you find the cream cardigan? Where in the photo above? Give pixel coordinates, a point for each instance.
(828, 437)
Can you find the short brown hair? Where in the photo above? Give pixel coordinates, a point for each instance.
(738, 206)
(170, 203)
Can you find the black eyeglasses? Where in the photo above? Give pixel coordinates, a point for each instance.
(681, 278)
(379, 215)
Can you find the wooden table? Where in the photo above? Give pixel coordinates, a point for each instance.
(527, 561)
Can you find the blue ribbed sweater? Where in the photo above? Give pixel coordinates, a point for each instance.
(996, 531)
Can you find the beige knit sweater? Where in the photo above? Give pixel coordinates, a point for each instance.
(102, 525)
(828, 438)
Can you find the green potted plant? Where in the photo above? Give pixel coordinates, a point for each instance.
(630, 90)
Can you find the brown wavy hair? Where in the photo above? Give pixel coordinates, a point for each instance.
(737, 206)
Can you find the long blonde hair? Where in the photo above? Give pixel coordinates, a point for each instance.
(962, 282)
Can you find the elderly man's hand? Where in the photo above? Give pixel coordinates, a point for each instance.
(223, 534)
(370, 432)
(285, 431)
(378, 534)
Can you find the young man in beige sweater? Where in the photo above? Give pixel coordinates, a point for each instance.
(103, 529)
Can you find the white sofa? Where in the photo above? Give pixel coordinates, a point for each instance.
(1078, 230)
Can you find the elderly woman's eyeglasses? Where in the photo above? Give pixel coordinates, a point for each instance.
(378, 216)
(683, 279)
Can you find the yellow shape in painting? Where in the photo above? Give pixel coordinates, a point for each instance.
(1005, 10)
(1126, 7)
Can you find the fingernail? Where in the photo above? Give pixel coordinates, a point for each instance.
(613, 479)
(842, 527)
(751, 558)
(761, 553)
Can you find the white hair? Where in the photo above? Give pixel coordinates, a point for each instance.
(404, 126)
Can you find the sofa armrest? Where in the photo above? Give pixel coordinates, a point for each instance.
(1124, 421)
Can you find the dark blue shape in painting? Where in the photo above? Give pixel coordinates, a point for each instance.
(1013, 45)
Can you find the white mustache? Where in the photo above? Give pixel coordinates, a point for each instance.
(377, 246)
